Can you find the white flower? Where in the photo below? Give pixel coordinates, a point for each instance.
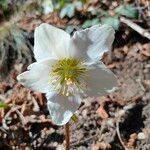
(68, 67)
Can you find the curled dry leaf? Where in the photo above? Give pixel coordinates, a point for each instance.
(146, 52)
(102, 100)
(131, 142)
(147, 82)
(101, 145)
(112, 65)
(3, 87)
(102, 113)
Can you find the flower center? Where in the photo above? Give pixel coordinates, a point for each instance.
(67, 76)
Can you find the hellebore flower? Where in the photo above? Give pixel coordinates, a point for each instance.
(68, 68)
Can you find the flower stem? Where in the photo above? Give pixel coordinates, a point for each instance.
(67, 136)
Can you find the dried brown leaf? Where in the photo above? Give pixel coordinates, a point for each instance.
(102, 146)
(146, 52)
(3, 87)
(102, 113)
(131, 142)
(147, 82)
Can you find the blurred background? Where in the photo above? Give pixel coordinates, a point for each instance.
(119, 121)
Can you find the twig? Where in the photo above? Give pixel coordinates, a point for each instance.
(67, 136)
(84, 140)
(102, 129)
(21, 117)
(118, 133)
(4, 124)
(3, 130)
(135, 27)
(36, 107)
(23, 107)
(98, 134)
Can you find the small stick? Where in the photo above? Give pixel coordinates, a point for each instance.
(21, 117)
(135, 27)
(67, 136)
(119, 136)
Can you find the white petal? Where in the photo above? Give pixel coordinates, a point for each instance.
(100, 80)
(50, 42)
(37, 78)
(62, 108)
(93, 42)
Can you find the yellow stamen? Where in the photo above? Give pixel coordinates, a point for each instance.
(67, 73)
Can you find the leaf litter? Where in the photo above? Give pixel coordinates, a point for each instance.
(116, 121)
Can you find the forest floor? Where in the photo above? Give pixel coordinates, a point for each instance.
(117, 121)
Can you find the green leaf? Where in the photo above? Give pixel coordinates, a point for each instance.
(84, 1)
(68, 10)
(4, 4)
(47, 6)
(3, 105)
(78, 5)
(71, 10)
(59, 3)
(70, 29)
(127, 10)
(63, 12)
(95, 21)
(89, 23)
(113, 21)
